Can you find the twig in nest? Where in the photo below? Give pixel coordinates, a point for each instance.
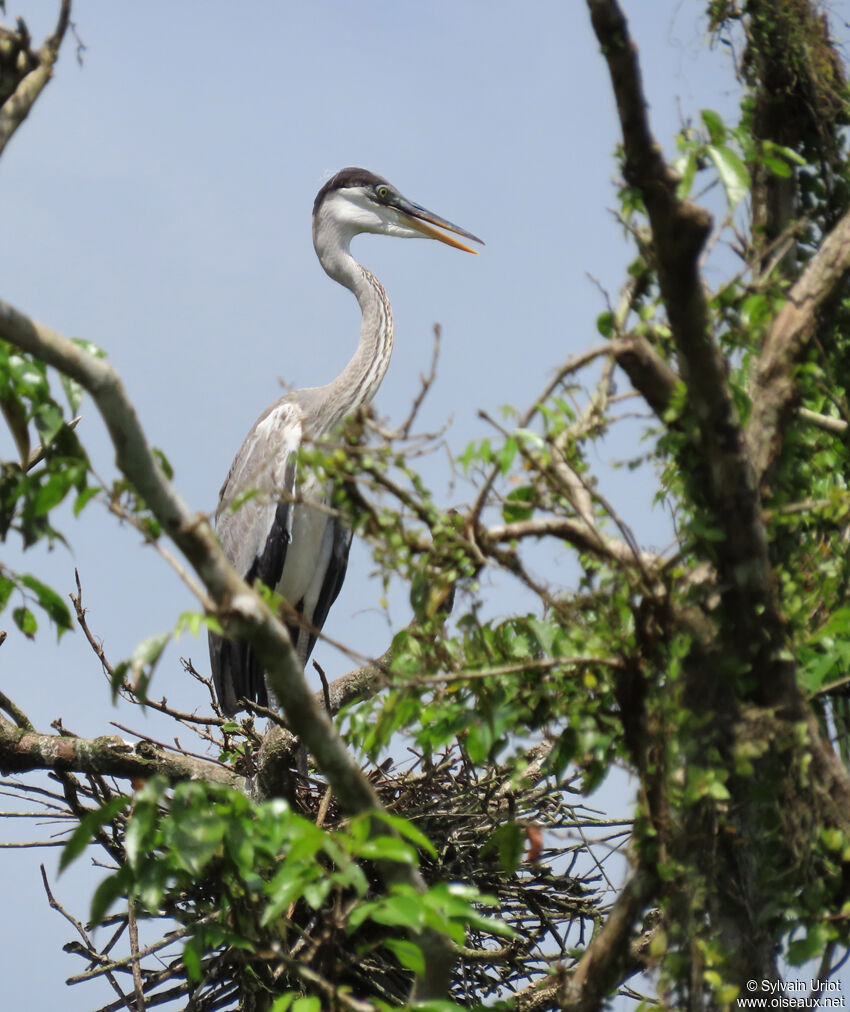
(325, 690)
(81, 931)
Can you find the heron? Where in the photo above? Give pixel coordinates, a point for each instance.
(274, 524)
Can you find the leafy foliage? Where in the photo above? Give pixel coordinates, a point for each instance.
(718, 680)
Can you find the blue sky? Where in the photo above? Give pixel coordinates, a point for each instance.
(157, 202)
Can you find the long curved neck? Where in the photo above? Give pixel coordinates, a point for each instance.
(358, 382)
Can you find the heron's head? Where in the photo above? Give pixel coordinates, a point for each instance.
(356, 200)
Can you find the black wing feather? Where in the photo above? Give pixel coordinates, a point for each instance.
(268, 567)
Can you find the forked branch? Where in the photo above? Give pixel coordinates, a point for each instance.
(15, 109)
(773, 387)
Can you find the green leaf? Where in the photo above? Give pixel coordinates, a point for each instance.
(605, 323)
(50, 601)
(84, 498)
(15, 412)
(813, 675)
(193, 836)
(137, 838)
(88, 826)
(509, 841)
(48, 421)
(755, 310)
(507, 454)
(193, 622)
(407, 953)
(733, 173)
(801, 950)
(516, 505)
(400, 909)
(73, 392)
(778, 166)
(315, 893)
(307, 1004)
(25, 621)
(109, 890)
(407, 654)
(786, 153)
(164, 463)
(285, 888)
(479, 741)
(406, 829)
(89, 347)
(192, 959)
(687, 170)
(51, 492)
(714, 124)
(144, 660)
(388, 848)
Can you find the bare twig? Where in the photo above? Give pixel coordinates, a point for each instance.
(572, 365)
(133, 931)
(825, 422)
(426, 383)
(81, 931)
(532, 664)
(137, 523)
(177, 750)
(107, 966)
(16, 713)
(31, 844)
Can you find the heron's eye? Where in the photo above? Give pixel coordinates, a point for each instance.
(383, 192)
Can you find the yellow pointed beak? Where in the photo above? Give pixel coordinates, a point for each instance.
(429, 224)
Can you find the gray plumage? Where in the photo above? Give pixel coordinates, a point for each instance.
(273, 523)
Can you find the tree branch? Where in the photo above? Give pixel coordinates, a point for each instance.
(23, 750)
(825, 422)
(649, 374)
(723, 482)
(16, 108)
(577, 532)
(608, 959)
(773, 388)
(15, 712)
(81, 931)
